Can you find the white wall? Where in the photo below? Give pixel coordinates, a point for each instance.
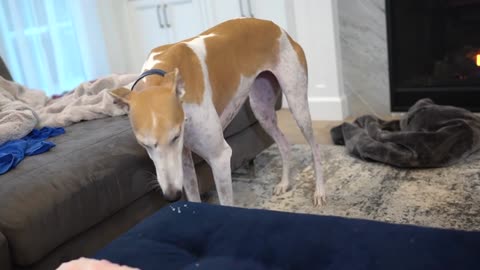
(93, 47)
(102, 32)
(115, 25)
(316, 30)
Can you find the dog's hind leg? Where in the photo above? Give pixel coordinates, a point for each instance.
(295, 87)
(262, 100)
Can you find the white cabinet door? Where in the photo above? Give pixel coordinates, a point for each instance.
(223, 10)
(184, 19)
(273, 10)
(147, 30)
(158, 22)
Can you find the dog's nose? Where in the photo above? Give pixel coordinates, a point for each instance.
(173, 196)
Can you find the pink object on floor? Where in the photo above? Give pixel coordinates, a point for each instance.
(91, 264)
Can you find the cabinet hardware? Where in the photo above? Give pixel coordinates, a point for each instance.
(159, 17)
(240, 2)
(250, 8)
(165, 6)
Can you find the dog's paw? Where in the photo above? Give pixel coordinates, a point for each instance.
(319, 198)
(281, 188)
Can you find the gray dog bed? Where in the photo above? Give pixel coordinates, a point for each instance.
(429, 135)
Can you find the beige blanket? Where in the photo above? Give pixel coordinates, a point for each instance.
(22, 109)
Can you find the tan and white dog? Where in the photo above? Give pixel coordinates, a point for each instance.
(208, 79)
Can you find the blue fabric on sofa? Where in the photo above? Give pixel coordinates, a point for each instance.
(188, 235)
(14, 151)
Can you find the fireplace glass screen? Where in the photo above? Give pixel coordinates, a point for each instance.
(434, 51)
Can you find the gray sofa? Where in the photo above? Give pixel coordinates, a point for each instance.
(94, 185)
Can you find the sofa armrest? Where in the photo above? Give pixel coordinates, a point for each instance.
(5, 262)
(4, 71)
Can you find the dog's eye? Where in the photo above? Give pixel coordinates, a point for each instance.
(148, 146)
(175, 139)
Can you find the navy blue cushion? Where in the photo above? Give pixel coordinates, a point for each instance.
(188, 235)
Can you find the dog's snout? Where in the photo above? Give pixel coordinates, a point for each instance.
(173, 196)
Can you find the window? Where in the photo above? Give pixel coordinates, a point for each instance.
(39, 43)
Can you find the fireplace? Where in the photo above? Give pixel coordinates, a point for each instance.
(434, 52)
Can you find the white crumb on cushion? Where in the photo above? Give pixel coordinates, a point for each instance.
(92, 264)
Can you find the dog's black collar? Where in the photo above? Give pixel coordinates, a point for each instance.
(147, 73)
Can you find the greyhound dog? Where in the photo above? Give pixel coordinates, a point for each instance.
(191, 90)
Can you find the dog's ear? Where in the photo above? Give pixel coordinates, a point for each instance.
(121, 95)
(177, 83)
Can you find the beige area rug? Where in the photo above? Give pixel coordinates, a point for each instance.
(444, 197)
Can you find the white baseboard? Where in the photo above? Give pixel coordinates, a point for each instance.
(325, 108)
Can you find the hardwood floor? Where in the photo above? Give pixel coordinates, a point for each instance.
(289, 127)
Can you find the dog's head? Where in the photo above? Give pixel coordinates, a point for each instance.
(157, 120)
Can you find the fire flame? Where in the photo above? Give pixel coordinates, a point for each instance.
(478, 59)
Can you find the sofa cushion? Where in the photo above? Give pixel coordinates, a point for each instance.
(5, 263)
(4, 71)
(96, 169)
(202, 236)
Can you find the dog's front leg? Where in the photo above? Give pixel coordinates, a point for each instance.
(204, 136)
(220, 164)
(190, 183)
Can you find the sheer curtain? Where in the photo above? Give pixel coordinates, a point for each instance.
(51, 45)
